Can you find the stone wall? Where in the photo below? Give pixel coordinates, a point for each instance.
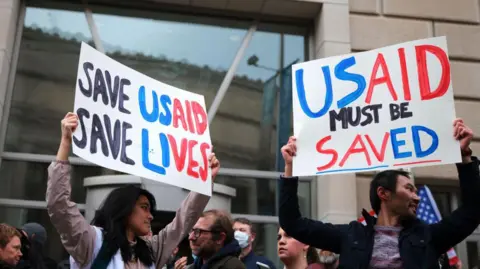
(378, 23)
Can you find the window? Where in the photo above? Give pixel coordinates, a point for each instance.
(45, 78)
(257, 196)
(179, 50)
(28, 180)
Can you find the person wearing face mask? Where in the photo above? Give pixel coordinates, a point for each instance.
(245, 235)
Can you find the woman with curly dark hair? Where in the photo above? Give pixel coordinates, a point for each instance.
(117, 236)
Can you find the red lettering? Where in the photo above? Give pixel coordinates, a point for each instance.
(423, 79)
(191, 127)
(191, 162)
(379, 155)
(326, 151)
(374, 81)
(178, 114)
(200, 117)
(178, 155)
(353, 149)
(203, 171)
(403, 69)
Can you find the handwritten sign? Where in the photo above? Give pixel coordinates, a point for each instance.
(387, 108)
(134, 124)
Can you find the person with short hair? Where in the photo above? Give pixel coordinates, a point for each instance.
(10, 246)
(245, 234)
(212, 241)
(396, 239)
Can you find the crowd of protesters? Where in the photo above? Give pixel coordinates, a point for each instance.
(119, 235)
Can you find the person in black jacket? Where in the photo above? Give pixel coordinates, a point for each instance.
(397, 239)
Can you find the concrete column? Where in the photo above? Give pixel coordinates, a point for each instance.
(336, 194)
(9, 12)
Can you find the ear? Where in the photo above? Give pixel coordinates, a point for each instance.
(305, 248)
(383, 194)
(221, 238)
(253, 237)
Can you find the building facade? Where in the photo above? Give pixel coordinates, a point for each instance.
(236, 53)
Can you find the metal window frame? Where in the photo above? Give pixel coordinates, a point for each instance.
(33, 204)
(44, 158)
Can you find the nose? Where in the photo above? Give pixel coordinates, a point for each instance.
(150, 216)
(191, 237)
(416, 198)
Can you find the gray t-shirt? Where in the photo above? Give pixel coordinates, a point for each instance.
(386, 253)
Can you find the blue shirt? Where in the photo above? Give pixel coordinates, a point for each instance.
(251, 260)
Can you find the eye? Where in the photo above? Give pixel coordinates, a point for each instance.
(279, 237)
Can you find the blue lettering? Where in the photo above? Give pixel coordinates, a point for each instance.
(397, 143)
(341, 74)
(303, 99)
(165, 150)
(146, 151)
(165, 118)
(150, 117)
(417, 143)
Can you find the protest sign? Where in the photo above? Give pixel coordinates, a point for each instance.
(134, 124)
(387, 108)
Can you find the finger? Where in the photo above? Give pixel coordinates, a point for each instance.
(69, 114)
(457, 120)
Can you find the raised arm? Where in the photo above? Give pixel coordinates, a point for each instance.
(186, 216)
(77, 236)
(463, 221)
(314, 233)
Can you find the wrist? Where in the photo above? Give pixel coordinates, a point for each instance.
(288, 170)
(466, 152)
(65, 141)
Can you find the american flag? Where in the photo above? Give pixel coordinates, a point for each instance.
(428, 212)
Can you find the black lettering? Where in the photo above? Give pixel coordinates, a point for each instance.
(394, 112)
(113, 139)
(404, 113)
(340, 116)
(123, 97)
(100, 87)
(375, 109)
(87, 92)
(369, 116)
(113, 91)
(356, 121)
(81, 113)
(125, 143)
(98, 134)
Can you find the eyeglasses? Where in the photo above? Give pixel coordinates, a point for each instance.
(198, 232)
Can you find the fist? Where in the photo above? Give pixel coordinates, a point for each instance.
(214, 165)
(464, 134)
(69, 125)
(289, 150)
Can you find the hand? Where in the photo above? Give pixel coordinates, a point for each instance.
(214, 165)
(69, 125)
(289, 150)
(464, 134)
(181, 263)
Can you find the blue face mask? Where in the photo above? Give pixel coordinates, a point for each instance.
(242, 239)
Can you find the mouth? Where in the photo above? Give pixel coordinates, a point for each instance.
(413, 207)
(282, 250)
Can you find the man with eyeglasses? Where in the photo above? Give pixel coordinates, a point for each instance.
(212, 241)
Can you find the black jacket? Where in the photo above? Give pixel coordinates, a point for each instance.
(420, 245)
(225, 258)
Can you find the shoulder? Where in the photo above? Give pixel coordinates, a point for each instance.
(263, 259)
(233, 262)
